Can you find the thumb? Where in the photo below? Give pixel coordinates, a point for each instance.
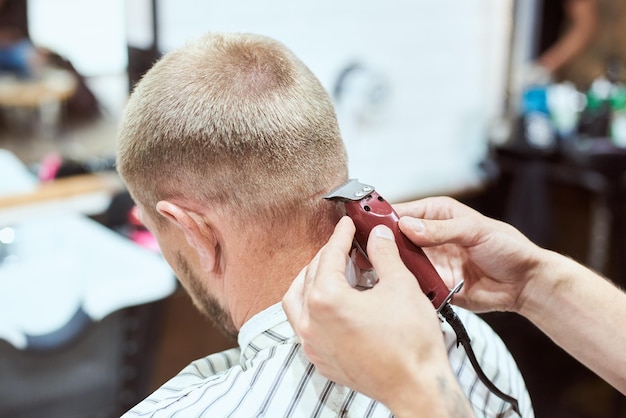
(385, 257)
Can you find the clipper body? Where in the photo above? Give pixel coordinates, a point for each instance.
(367, 209)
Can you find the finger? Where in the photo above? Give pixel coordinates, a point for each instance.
(333, 257)
(431, 208)
(385, 258)
(448, 261)
(441, 207)
(384, 255)
(463, 231)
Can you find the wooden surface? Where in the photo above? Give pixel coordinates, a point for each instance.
(87, 194)
(65, 188)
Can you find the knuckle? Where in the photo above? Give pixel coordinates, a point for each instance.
(319, 301)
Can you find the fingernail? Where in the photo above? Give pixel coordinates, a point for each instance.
(383, 231)
(415, 224)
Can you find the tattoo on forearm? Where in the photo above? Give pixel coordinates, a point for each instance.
(457, 405)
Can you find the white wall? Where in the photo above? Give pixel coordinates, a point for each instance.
(90, 33)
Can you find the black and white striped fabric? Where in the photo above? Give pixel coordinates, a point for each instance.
(269, 376)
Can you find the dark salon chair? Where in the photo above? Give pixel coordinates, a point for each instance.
(80, 318)
(96, 369)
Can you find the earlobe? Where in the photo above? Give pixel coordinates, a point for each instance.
(198, 233)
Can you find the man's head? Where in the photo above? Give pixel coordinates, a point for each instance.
(231, 136)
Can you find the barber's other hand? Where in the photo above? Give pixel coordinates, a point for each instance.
(385, 342)
(495, 260)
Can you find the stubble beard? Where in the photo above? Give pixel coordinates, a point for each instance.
(204, 302)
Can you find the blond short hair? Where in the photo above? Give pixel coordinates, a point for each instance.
(234, 121)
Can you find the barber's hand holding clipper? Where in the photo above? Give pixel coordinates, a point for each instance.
(349, 335)
(385, 342)
(494, 259)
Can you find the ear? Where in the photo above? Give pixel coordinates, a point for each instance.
(198, 233)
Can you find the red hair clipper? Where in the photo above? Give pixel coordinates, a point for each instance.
(367, 209)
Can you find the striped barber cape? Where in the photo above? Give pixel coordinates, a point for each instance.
(269, 376)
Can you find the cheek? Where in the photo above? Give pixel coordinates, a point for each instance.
(178, 265)
(166, 249)
(181, 258)
(172, 255)
(171, 251)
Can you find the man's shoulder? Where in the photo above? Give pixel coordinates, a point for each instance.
(205, 371)
(278, 381)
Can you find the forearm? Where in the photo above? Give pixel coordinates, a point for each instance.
(582, 15)
(581, 312)
(435, 390)
(564, 50)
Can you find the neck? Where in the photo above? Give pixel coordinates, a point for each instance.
(266, 276)
(264, 259)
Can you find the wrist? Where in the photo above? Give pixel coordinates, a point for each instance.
(551, 272)
(433, 388)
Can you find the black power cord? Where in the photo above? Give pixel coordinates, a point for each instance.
(463, 338)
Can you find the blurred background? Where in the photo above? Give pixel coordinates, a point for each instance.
(516, 107)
